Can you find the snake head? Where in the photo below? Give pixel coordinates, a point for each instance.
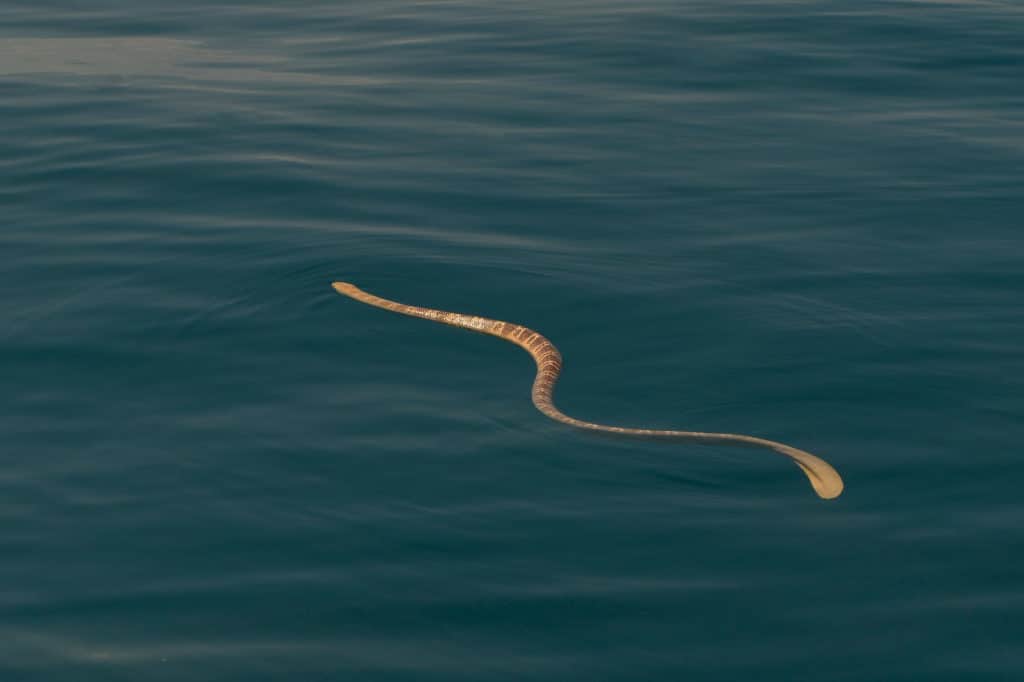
(345, 288)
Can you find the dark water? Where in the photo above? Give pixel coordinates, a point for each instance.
(798, 220)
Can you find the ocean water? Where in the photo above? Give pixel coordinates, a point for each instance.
(798, 220)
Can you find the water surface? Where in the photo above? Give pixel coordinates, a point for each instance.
(791, 219)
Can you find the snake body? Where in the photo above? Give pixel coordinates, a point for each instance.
(824, 479)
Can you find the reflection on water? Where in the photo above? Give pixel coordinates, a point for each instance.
(188, 61)
(104, 56)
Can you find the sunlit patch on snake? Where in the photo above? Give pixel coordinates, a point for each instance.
(824, 479)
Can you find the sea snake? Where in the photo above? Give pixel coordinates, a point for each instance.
(824, 479)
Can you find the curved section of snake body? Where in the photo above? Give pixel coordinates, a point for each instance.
(824, 479)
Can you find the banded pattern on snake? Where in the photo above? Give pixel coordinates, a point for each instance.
(824, 479)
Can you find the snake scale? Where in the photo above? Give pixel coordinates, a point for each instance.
(824, 479)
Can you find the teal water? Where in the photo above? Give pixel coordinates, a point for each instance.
(790, 219)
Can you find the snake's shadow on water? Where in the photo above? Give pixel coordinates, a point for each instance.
(825, 481)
